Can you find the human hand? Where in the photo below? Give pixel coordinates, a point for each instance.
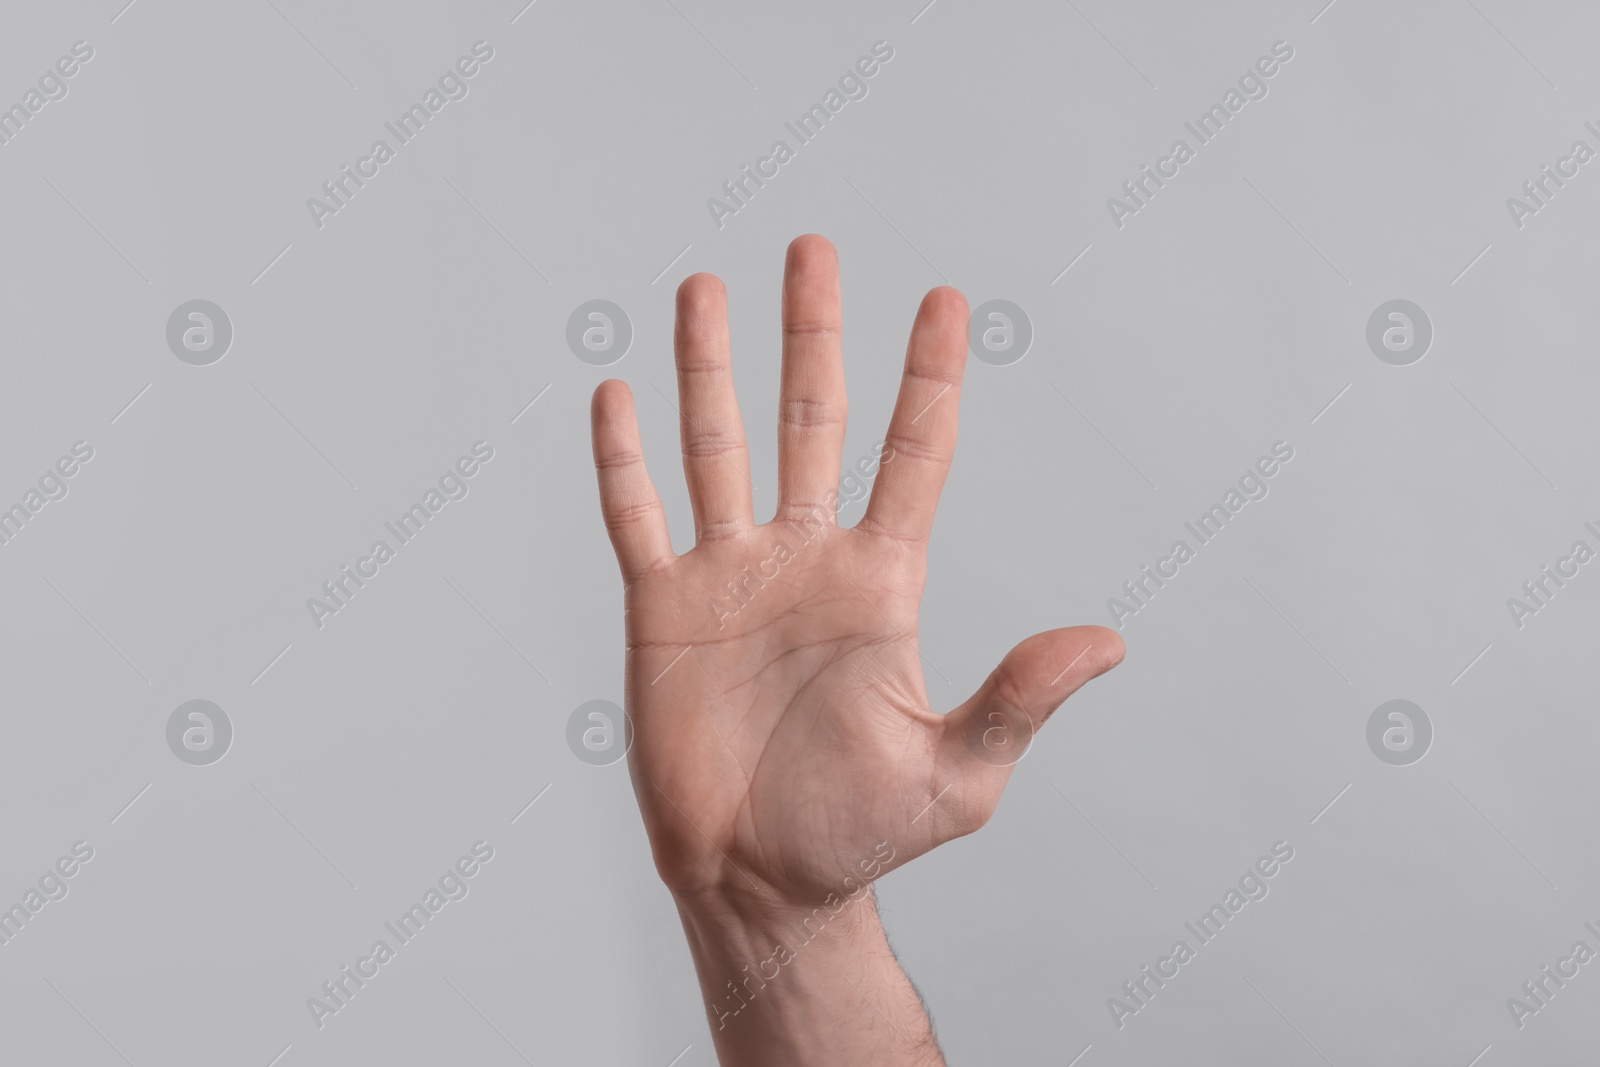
(784, 753)
(782, 731)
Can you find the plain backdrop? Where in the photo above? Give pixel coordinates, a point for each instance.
(371, 351)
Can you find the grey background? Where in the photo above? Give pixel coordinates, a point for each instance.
(370, 754)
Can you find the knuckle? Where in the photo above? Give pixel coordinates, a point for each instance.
(808, 413)
(707, 444)
(813, 512)
(947, 380)
(718, 530)
(617, 459)
(701, 366)
(903, 543)
(622, 516)
(915, 448)
(825, 329)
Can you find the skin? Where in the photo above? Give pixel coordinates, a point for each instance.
(784, 753)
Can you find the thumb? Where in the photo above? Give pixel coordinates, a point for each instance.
(986, 736)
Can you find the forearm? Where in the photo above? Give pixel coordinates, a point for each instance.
(790, 986)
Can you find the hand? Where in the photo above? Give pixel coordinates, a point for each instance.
(782, 734)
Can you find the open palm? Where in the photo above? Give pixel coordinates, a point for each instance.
(783, 742)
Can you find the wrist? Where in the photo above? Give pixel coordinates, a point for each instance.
(798, 984)
(744, 939)
(755, 906)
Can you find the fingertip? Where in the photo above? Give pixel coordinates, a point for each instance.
(946, 300)
(939, 334)
(1112, 648)
(611, 416)
(610, 395)
(699, 290)
(811, 287)
(943, 314)
(1073, 655)
(810, 246)
(701, 317)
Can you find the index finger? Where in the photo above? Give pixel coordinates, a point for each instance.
(921, 440)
